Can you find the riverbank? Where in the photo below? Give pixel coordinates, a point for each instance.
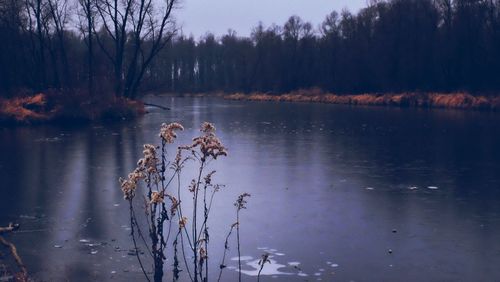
(45, 108)
(457, 100)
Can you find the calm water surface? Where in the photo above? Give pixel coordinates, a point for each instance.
(338, 193)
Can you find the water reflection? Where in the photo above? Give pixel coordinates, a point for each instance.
(338, 192)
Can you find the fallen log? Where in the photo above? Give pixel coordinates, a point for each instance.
(157, 106)
(10, 228)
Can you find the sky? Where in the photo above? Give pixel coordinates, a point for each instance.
(217, 16)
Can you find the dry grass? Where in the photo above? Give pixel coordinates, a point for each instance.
(47, 107)
(457, 100)
(25, 109)
(157, 183)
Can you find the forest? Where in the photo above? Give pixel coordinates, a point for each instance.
(389, 46)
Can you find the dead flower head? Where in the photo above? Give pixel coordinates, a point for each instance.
(264, 258)
(208, 178)
(183, 222)
(208, 128)
(167, 131)
(203, 253)
(150, 161)
(175, 204)
(241, 201)
(157, 197)
(129, 185)
(208, 143)
(192, 187)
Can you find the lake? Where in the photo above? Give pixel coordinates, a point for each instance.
(339, 193)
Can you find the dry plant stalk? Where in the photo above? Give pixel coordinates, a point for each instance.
(262, 262)
(22, 275)
(163, 207)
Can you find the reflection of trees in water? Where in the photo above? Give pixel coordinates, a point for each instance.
(62, 187)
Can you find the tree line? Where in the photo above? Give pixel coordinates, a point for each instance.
(389, 46)
(93, 47)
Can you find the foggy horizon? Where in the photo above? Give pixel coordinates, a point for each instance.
(199, 17)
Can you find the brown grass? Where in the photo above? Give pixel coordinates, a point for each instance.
(457, 100)
(47, 107)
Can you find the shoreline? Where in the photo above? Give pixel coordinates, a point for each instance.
(59, 108)
(456, 100)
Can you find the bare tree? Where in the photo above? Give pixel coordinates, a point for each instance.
(37, 17)
(146, 24)
(59, 14)
(86, 15)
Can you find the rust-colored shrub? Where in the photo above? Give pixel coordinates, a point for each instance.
(52, 106)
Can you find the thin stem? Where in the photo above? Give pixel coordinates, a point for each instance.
(226, 247)
(185, 260)
(180, 207)
(133, 239)
(205, 228)
(238, 242)
(208, 212)
(140, 233)
(262, 262)
(176, 269)
(195, 212)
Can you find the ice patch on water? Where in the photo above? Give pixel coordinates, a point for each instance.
(269, 269)
(243, 258)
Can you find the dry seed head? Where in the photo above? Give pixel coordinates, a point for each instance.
(192, 186)
(150, 161)
(156, 197)
(178, 157)
(203, 253)
(128, 188)
(241, 201)
(175, 204)
(208, 127)
(167, 131)
(183, 222)
(264, 258)
(208, 178)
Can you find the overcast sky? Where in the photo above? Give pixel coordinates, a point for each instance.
(199, 16)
